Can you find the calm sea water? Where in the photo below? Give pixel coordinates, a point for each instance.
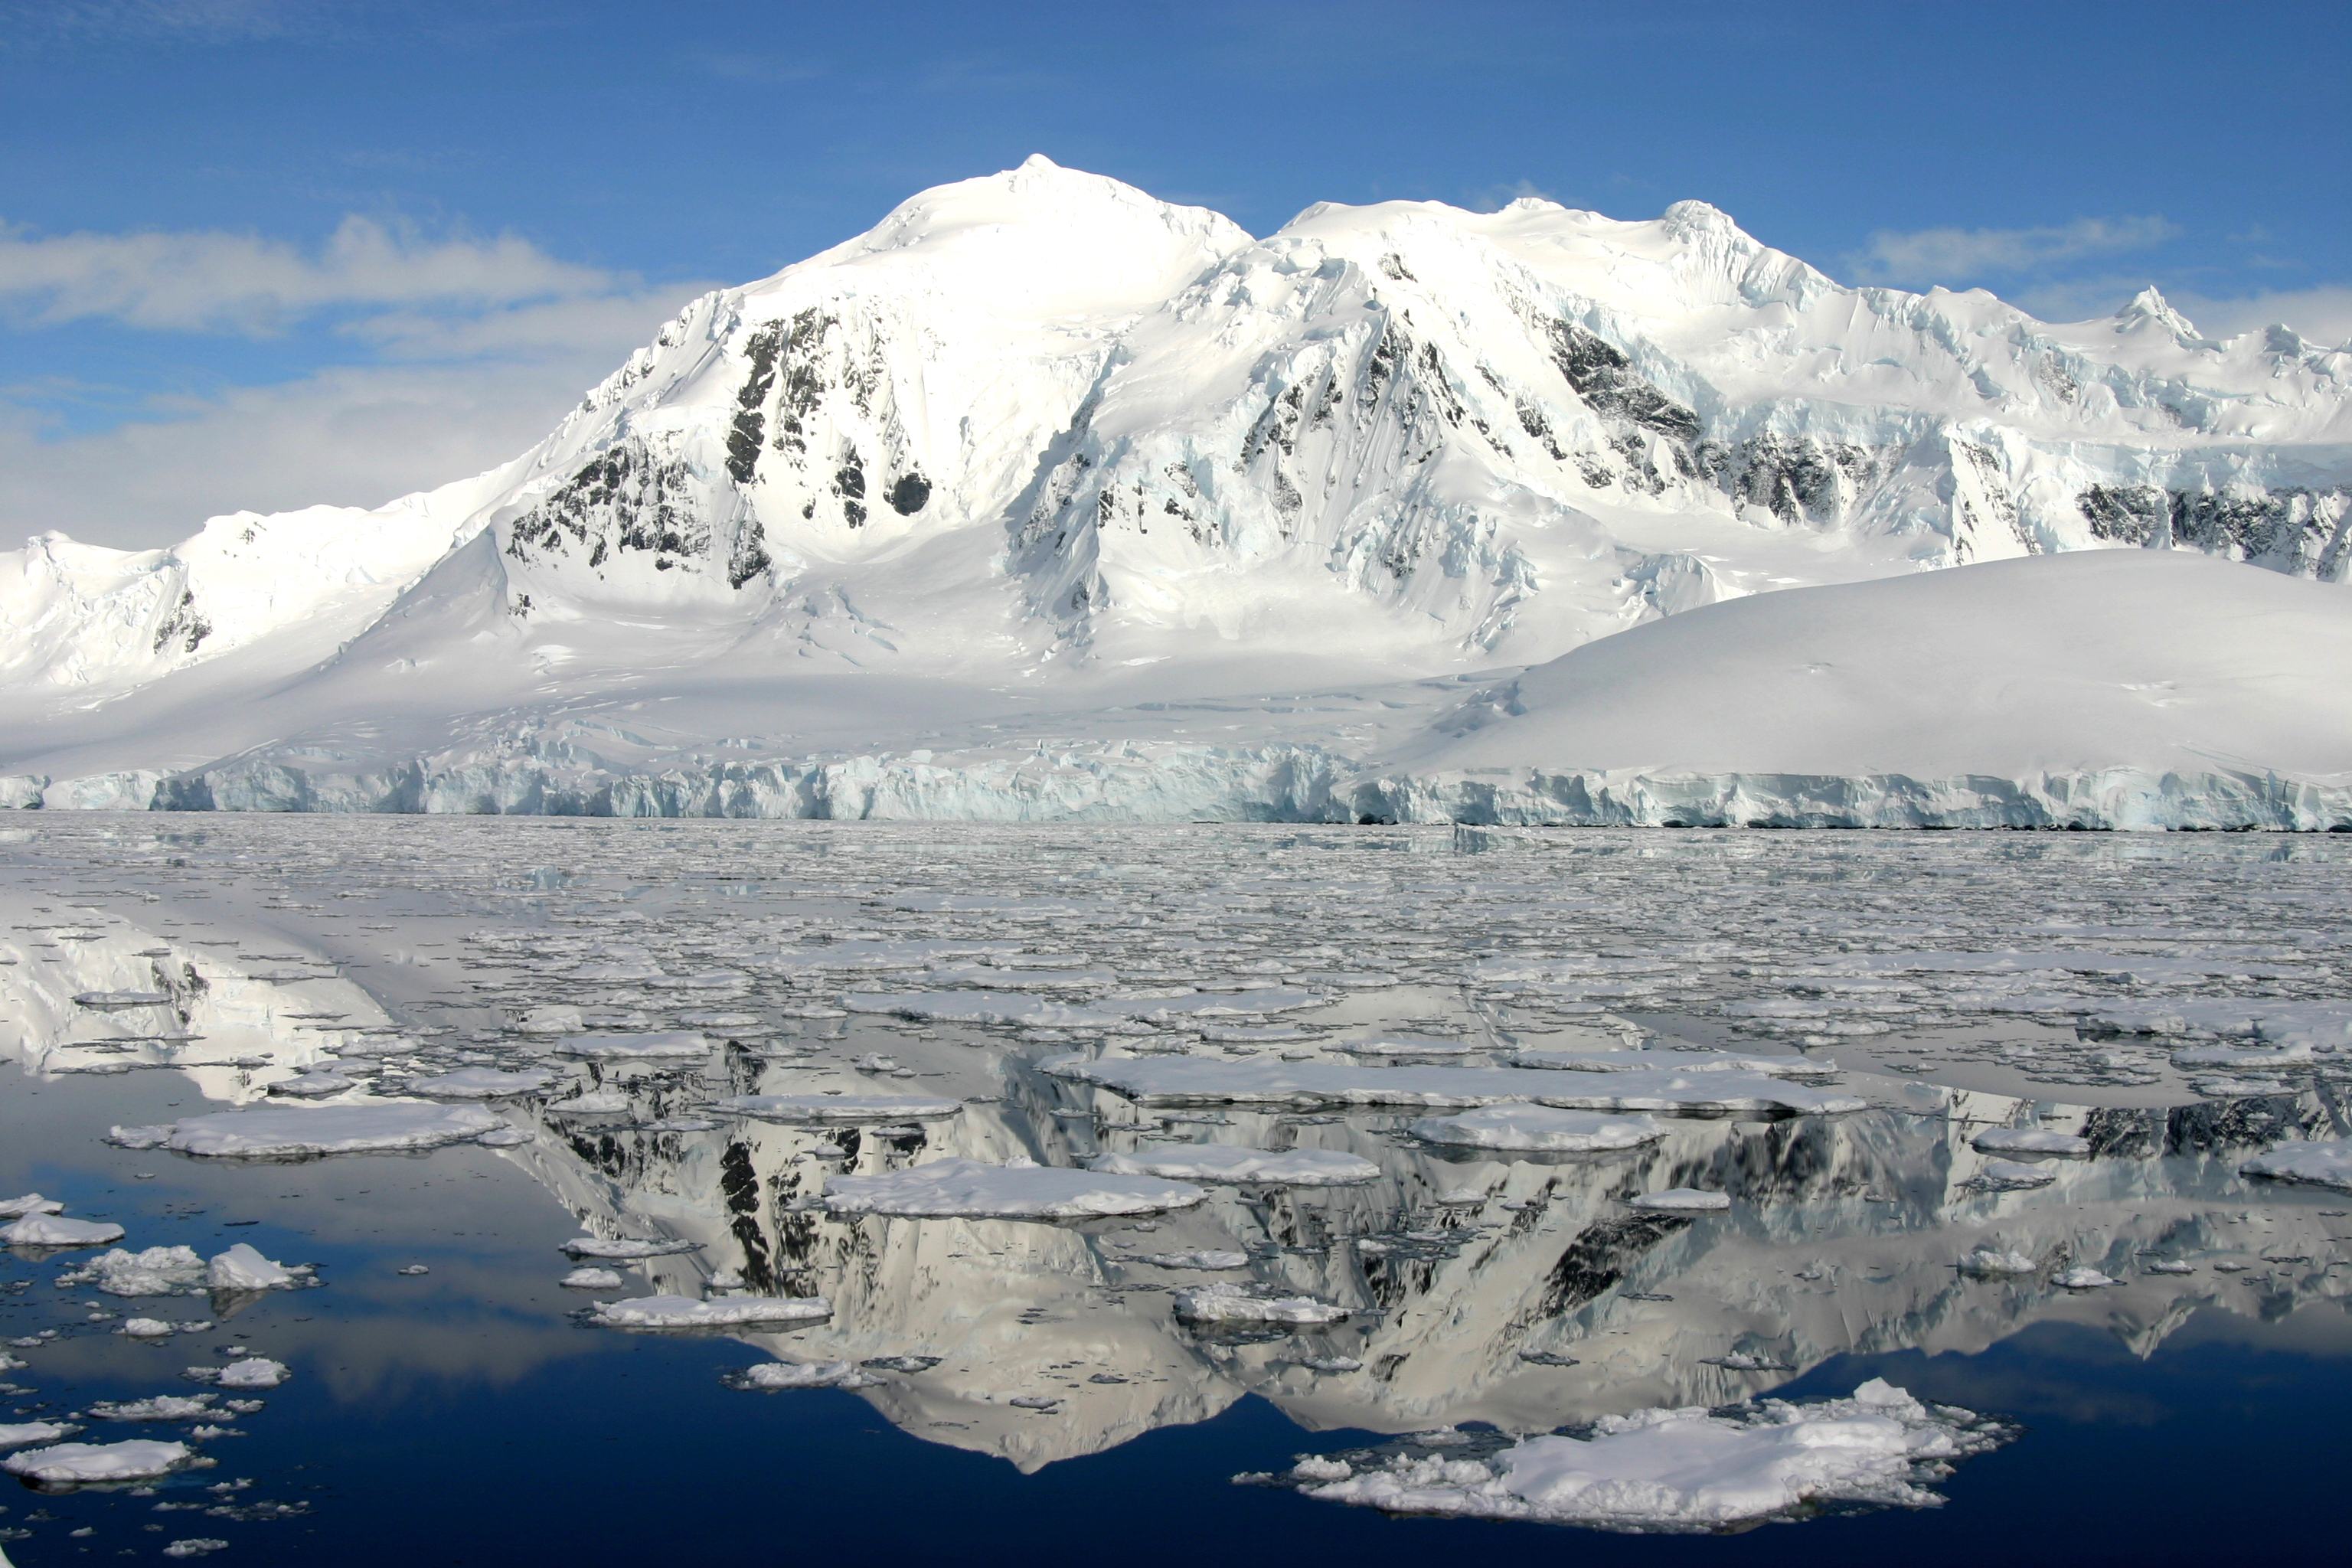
(475, 1411)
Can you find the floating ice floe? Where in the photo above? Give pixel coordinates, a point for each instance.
(598, 1246)
(483, 1083)
(288, 1133)
(2082, 1279)
(834, 1109)
(596, 1102)
(769, 1376)
(1687, 1470)
(1209, 1258)
(1537, 1129)
(312, 1085)
(2013, 1175)
(102, 1000)
(1228, 1303)
(243, 1267)
(95, 1464)
(1987, 1263)
(196, 1546)
(157, 1271)
(725, 1311)
(1680, 1200)
(550, 1021)
(2322, 1162)
(2242, 1057)
(148, 1328)
(1175, 1081)
(1011, 1007)
(1218, 1162)
(971, 1189)
(31, 1203)
(2218, 1088)
(2027, 1140)
(656, 1045)
(1404, 1045)
(592, 1279)
(1213, 1004)
(1677, 1062)
(252, 1372)
(52, 1230)
(157, 1407)
(24, 1432)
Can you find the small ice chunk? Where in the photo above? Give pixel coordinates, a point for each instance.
(2321, 1162)
(2012, 1176)
(252, 1372)
(157, 1407)
(1790, 1066)
(550, 1021)
(412, 1269)
(972, 1189)
(1987, 1263)
(157, 1271)
(1210, 1259)
(1690, 1469)
(286, 1132)
(779, 1374)
(49, 1230)
(837, 1107)
(243, 1267)
(1681, 1200)
(1219, 1162)
(1261, 1080)
(196, 1546)
(727, 1312)
(595, 1102)
(312, 1085)
(1316, 1468)
(2172, 1265)
(1327, 1363)
(25, 1432)
(1537, 1129)
(84, 1464)
(483, 1083)
(1229, 1303)
(592, 1279)
(148, 1328)
(31, 1203)
(2082, 1279)
(597, 1246)
(658, 1045)
(1405, 1045)
(2027, 1140)
(1033, 1402)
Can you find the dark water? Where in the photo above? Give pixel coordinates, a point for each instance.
(467, 1415)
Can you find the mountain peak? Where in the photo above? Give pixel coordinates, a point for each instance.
(2149, 306)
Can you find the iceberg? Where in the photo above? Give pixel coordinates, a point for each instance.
(971, 1189)
(1537, 1129)
(312, 1132)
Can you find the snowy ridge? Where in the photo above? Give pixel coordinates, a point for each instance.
(1041, 438)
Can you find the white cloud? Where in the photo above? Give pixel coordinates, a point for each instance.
(2322, 315)
(210, 282)
(1959, 256)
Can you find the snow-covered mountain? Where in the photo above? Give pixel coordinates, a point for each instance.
(1040, 444)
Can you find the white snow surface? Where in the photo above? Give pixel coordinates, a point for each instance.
(1533, 1129)
(1041, 433)
(973, 1189)
(1687, 1469)
(1221, 1164)
(273, 1134)
(2325, 1162)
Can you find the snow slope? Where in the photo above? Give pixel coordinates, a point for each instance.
(958, 517)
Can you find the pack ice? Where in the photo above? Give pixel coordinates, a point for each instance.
(974, 1189)
(1237, 515)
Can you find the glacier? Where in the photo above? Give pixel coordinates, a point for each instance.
(1047, 500)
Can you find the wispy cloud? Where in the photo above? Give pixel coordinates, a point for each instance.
(156, 21)
(207, 280)
(1961, 256)
(1495, 198)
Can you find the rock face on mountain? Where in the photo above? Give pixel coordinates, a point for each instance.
(1041, 438)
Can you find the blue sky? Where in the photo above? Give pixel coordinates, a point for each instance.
(266, 253)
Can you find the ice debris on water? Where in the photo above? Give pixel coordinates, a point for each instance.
(288, 1133)
(598, 1246)
(52, 1230)
(156, 1271)
(483, 1083)
(1023, 1191)
(726, 1311)
(2027, 1140)
(2013, 1175)
(25, 1431)
(31, 1203)
(1989, 1263)
(1681, 1200)
(243, 1267)
(157, 1407)
(658, 1045)
(770, 1376)
(1679, 1469)
(1537, 1129)
(196, 1546)
(1228, 1303)
(147, 1329)
(2082, 1279)
(2324, 1162)
(839, 1109)
(1205, 1259)
(1226, 1164)
(88, 1464)
(592, 1279)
